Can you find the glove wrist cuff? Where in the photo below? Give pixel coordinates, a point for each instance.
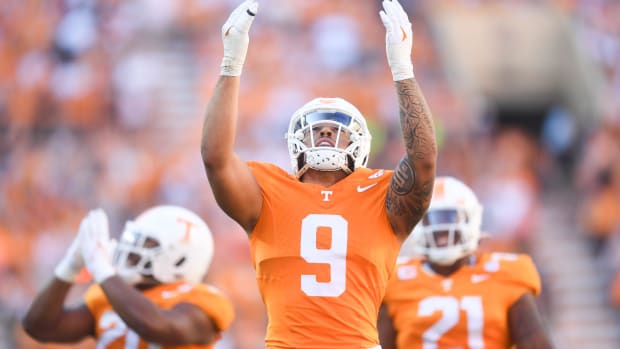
(230, 68)
(231, 71)
(103, 272)
(402, 72)
(65, 272)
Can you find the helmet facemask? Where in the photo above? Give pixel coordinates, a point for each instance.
(447, 235)
(134, 255)
(304, 140)
(450, 229)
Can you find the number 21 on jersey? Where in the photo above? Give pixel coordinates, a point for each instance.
(113, 329)
(335, 256)
(450, 308)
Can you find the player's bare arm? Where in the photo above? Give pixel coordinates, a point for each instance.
(47, 319)
(184, 324)
(526, 325)
(387, 332)
(233, 184)
(412, 183)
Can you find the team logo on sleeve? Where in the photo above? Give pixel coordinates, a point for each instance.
(376, 174)
(361, 189)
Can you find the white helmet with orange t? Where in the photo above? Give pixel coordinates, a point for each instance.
(167, 243)
(451, 228)
(305, 153)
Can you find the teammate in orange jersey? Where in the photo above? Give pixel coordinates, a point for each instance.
(324, 240)
(147, 295)
(456, 297)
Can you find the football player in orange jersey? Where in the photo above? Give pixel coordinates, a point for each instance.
(148, 293)
(454, 297)
(324, 239)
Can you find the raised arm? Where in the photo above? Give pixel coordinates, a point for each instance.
(47, 318)
(233, 184)
(183, 324)
(410, 191)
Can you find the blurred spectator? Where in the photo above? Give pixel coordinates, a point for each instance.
(509, 190)
(598, 179)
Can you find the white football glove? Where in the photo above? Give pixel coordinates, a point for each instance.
(72, 263)
(96, 246)
(236, 39)
(398, 39)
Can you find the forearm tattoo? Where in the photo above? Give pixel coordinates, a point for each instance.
(412, 182)
(416, 122)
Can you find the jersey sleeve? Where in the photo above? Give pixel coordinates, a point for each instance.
(95, 300)
(214, 303)
(273, 182)
(268, 175)
(406, 269)
(519, 272)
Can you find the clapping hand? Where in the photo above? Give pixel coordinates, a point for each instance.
(96, 246)
(72, 263)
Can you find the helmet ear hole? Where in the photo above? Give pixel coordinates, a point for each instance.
(180, 261)
(299, 135)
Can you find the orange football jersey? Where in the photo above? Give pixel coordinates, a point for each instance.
(112, 333)
(469, 309)
(323, 256)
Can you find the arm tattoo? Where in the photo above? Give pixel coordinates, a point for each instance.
(404, 178)
(412, 182)
(401, 207)
(416, 121)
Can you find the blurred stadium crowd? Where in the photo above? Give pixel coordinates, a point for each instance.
(101, 105)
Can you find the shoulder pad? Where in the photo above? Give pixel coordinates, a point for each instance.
(518, 269)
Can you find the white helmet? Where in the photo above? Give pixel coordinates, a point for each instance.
(334, 111)
(450, 229)
(168, 243)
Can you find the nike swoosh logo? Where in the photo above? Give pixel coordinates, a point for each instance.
(228, 31)
(478, 278)
(363, 189)
(169, 294)
(404, 33)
